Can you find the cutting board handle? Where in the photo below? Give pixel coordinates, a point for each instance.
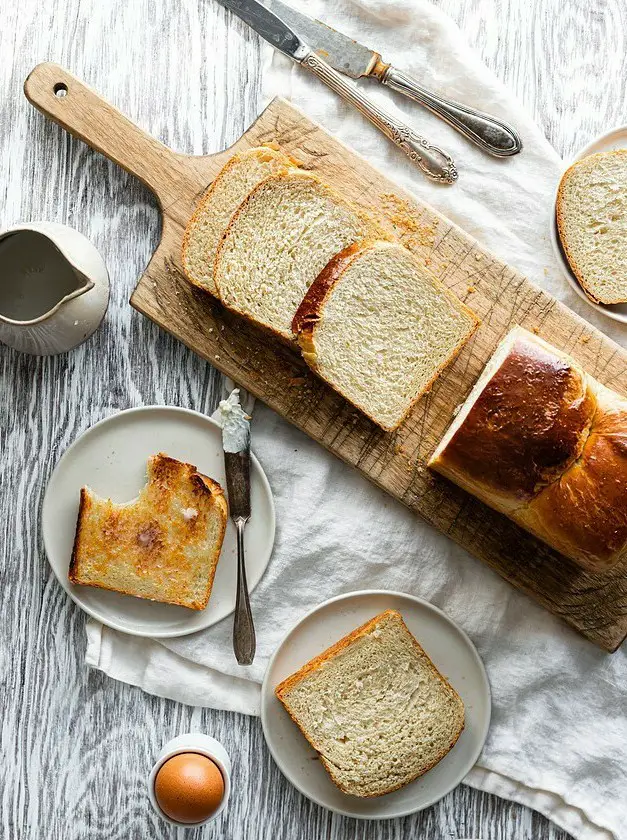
(78, 109)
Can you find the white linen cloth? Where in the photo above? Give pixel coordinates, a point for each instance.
(558, 739)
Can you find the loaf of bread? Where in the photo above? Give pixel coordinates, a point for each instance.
(277, 243)
(542, 441)
(379, 328)
(592, 223)
(163, 546)
(375, 708)
(234, 182)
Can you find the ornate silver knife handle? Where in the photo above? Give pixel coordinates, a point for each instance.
(432, 161)
(487, 132)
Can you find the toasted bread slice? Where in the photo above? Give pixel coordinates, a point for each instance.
(164, 545)
(375, 708)
(379, 327)
(236, 179)
(591, 213)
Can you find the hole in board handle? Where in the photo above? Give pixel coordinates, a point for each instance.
(60, 89)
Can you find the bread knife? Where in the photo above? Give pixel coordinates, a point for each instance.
(356, 60)
(236, 446)
(432, 161)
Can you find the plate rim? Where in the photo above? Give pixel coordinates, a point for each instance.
(347, 596)
(152, 634)
(603, 308)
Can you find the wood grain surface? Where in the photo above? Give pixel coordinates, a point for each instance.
(396, 462)
(75, 745)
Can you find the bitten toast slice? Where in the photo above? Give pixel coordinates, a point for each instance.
(164, 545)
(375, 708)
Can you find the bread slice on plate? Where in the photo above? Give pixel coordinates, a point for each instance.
(238, 177)
(592, 224)
(380, 328)
(164, 545)
(375, 708)
(277, 243)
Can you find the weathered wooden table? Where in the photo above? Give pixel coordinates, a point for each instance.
(76, 746)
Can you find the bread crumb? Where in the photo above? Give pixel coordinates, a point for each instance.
(217, 358)
(535, 330)
(410, 231)
(477, 256)
(471, 289)
(585, 339)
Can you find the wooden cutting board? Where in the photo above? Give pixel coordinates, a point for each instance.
(596, 605)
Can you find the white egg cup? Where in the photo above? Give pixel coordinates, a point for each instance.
(193, 742)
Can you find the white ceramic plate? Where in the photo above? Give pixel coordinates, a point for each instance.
(614, 139)
(447, 645)
(111, 458)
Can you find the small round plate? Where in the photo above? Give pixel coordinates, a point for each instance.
(111, 458)
(452, 652)
(614, 139)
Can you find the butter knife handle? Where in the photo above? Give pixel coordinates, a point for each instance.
(490, 134)
(432, 161)
(244, 640)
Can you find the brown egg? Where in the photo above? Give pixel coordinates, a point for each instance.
(189, 787)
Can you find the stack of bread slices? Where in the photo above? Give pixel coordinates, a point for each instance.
(281, 248)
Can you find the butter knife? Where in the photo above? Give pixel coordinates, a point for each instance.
(236, 446)
(356, 60)
(432, 161)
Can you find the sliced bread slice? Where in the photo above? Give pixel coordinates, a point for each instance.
(238, 177)
(163, 546)
(379, 328)
(277, 243)
(375, 708)
(592, 223)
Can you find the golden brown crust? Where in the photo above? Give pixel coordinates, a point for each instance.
(529, 423)
(145, 535)
(317, 662)
(584, 514)
(547, 444)
(561, 223)
(310, 311)
(83, 510)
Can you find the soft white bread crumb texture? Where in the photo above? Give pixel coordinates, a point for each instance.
(375, 708)
(592, 224)
(278, 242)
(386, 329)
(238, 177)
